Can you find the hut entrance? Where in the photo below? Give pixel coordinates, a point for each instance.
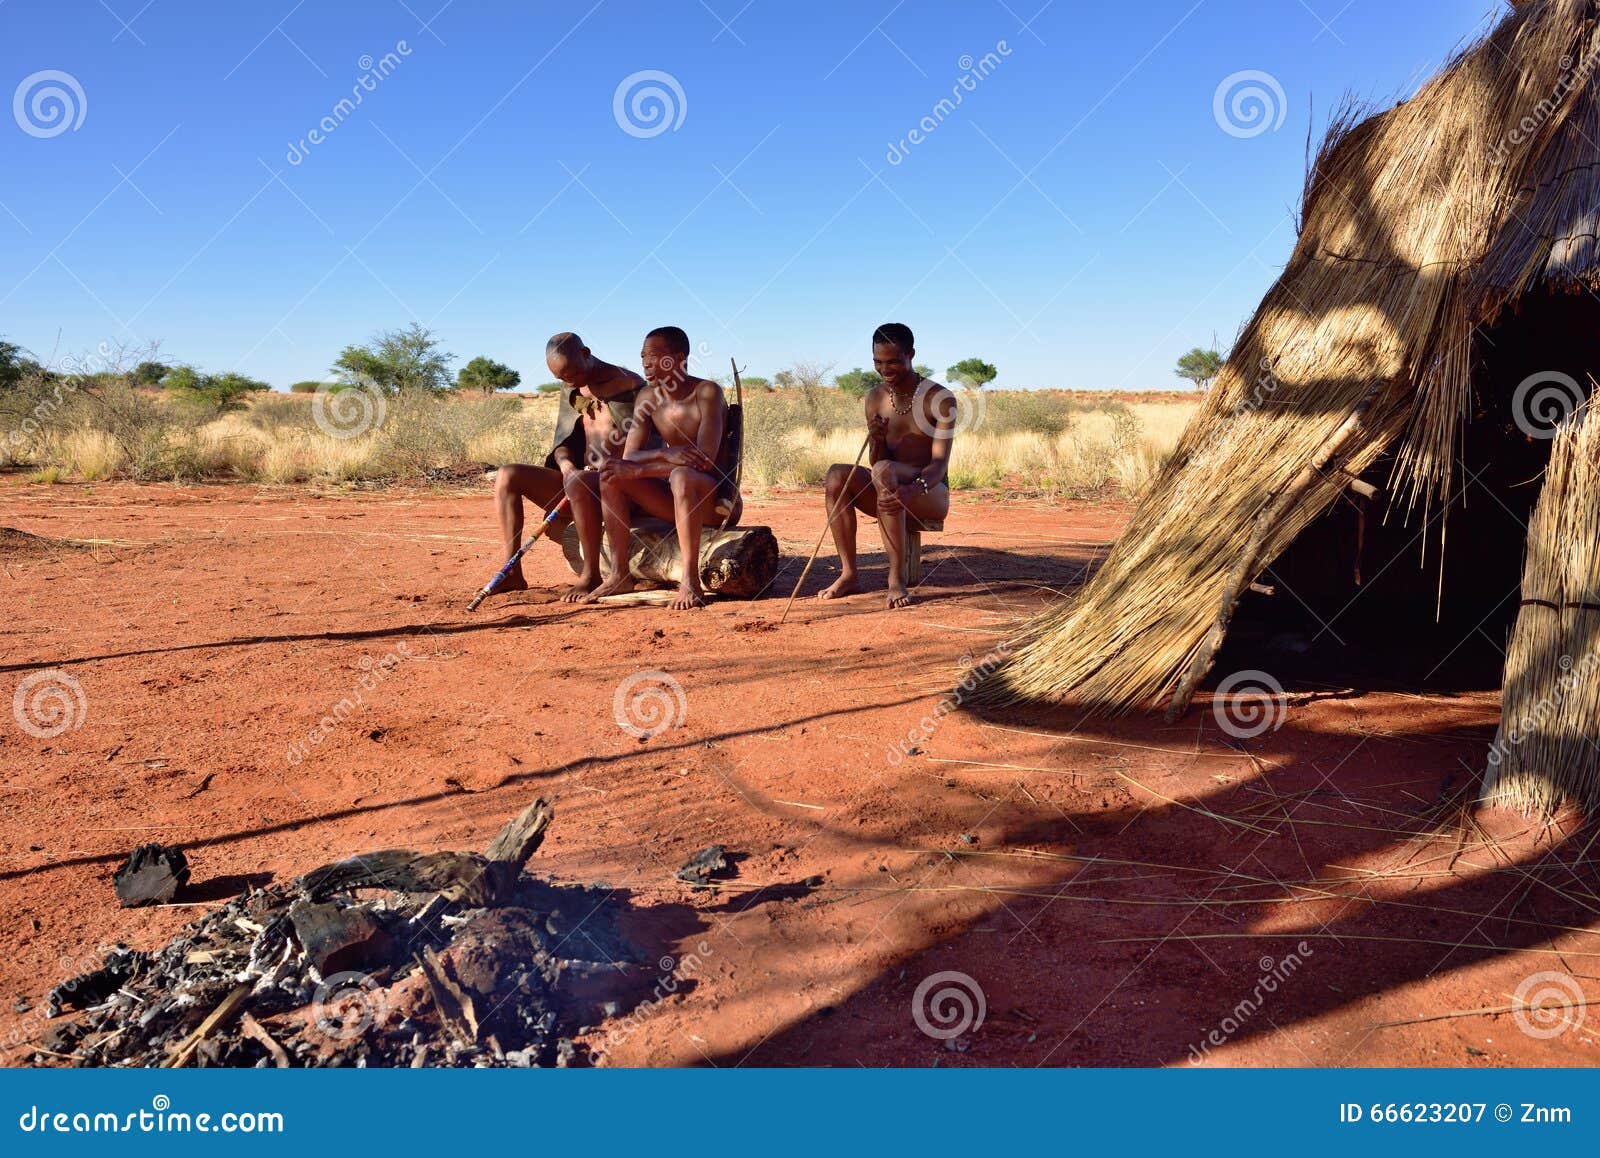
(1364, 600)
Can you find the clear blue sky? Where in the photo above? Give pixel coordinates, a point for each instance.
(1080, 219)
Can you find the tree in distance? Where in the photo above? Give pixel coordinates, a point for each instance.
(1200, 367)
(408, 360)
(487, 375)
(973, 373)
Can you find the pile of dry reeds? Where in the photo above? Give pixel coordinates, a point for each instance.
(1545, 752)
(1420, 224)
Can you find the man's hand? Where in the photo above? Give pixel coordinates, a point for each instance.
(690, 456)
(615, 469)
(878, 435)
(890, 500)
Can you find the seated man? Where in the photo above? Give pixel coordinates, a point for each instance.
(596, 410)
(669, 466)
(910, 425)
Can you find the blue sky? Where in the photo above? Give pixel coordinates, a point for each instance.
(1080, 219)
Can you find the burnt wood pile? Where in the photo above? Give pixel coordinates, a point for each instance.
(393, 958)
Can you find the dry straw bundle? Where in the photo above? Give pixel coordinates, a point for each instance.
(1545, 752)
(1419, 225)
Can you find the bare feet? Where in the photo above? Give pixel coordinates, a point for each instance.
(512, 582)
(689, 599)
(842, 586)
(584, 585)
(898, 596)
(616, 585)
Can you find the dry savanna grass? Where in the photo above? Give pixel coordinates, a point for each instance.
(1045, 442)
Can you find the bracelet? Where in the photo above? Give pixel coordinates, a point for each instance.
(921, 482)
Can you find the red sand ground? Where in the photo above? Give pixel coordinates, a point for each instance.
(1115, 891)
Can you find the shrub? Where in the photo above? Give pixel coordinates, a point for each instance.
(305, 388)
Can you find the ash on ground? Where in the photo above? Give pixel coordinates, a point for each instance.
(458, 960)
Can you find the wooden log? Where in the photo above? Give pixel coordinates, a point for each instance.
(522, 835)
(738, 563)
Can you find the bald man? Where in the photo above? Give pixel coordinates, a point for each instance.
(592, 423)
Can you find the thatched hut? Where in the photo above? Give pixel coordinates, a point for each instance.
(1377, 437)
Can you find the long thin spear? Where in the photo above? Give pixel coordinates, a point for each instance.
(500, 577)
(831, 513)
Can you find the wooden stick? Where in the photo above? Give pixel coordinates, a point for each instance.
(807, 569)
(738, 466)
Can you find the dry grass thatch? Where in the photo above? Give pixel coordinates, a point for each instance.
(1545, 752)
(1419, 225)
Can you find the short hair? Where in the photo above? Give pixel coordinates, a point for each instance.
(677, 341)
(565, 344)
(896, 335)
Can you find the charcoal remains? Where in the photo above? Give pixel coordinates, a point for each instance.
(460, 960)
(152, 875)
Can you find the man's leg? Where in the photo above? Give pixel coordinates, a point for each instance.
(849, 489)
(616, 508)
(583, 490)
(892, 521)
(512, 484)
(692, 492)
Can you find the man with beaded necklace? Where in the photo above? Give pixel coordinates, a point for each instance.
(910, 425)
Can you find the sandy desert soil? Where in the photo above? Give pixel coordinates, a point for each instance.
(1119, 893)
